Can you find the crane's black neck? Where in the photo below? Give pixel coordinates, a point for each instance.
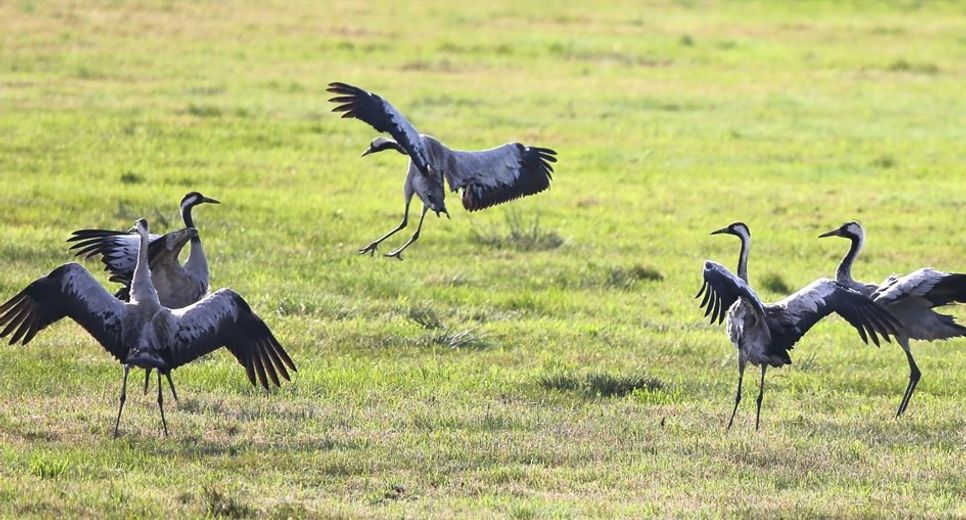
(844, 273)
(188, 221)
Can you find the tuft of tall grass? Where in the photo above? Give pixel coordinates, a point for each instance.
(520, 235)
(599, 384)
(219, 504)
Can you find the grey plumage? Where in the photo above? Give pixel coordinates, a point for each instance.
(178, 285)
(764, 333)
(142, 332)
(484, 178)
(910, 298)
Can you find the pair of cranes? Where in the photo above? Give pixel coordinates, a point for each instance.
(162, 320)
(146, 331)
(901, 307)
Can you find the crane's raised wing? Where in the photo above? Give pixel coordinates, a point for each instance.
(934, 288)
(224, 319)
(381, 115)
(722, 289)
(502, 174)
(118, 250)
(794, 315)
(68, 291)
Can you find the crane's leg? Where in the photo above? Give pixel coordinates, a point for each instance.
(117, 423)
(371, 248)
(741, 375)
(147, 379)
(164, 424)
(171, 384)
(914, 375)
(398, 253)
(761, 395)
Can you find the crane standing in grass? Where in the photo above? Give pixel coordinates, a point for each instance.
(486, 177)
(910, 298)
(142, 332)
(764, 333)
(177, 285)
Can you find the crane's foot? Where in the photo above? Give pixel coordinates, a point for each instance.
(371, 249)
(395, 254)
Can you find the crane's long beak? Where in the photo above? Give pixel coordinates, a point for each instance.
(367, 152)
(833, 233)
(720, 231)
(210, 200)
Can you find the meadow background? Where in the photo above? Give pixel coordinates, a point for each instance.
(543, 359)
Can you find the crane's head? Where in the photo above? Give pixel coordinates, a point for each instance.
(140, 227)
(851, 230)
(380, 144)
(193, 198)
(738, 229)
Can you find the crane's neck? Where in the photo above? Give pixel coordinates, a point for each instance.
(188, 221)
(743, 257)
(844, 273)
(142, 289)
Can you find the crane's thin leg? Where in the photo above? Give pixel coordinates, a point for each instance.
(164, 424)
(371, 248)
(398, 253)
(761, 395)
(117, 423)
(741, 376)
(171, 384)
(914, 375)
(147, 379)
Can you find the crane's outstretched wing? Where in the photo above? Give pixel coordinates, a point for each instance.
(935, 287)
(722, 289)
(118, 250)
(381, 115)
(502, 174)
(797, 313)
(912, 297)
(224, 319)
(68, 291)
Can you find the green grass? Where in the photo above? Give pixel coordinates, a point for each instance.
(540, 360)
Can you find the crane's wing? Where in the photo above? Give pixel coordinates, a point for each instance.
(722, 289)
(68, 291)
(502, 174)
(797, 313)
(935, 287)
(224, 319)
(118, 250)
(381, 115)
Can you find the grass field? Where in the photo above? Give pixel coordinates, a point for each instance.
(539, 360)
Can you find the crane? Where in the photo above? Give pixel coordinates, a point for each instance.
(764, 333)
(177, 285)
(910, 298)
(484, 178)
(142, 332)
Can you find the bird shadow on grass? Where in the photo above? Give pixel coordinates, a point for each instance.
(598, 384)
